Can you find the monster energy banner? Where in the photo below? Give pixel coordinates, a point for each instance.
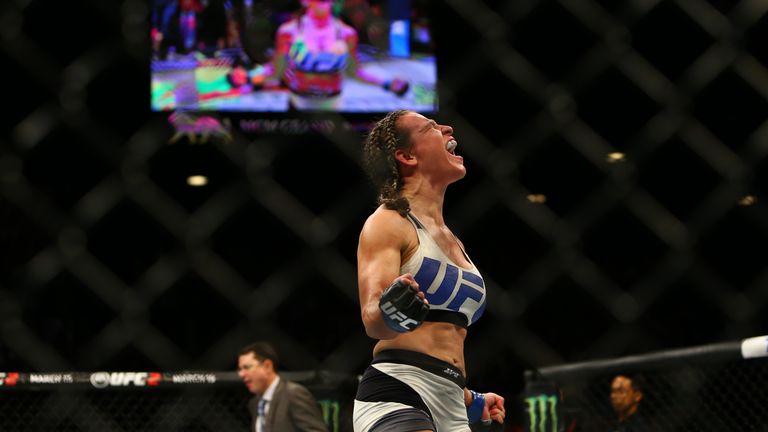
(543, 408)
(331, 413)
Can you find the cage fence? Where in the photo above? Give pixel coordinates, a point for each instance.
(151, 401)
(718, 387)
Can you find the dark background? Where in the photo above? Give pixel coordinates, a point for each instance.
(109, 261)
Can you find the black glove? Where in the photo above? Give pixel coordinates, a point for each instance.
(396, 86)
(401, 307)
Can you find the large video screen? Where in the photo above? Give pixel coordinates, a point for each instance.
(345, 56)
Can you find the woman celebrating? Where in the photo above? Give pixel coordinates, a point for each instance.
(419, 291)
(313, 53)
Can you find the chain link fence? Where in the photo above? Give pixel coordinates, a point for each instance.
(706, 388)
(195, 401)
(110, 261)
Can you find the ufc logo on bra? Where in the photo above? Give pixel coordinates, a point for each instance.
(470, 286)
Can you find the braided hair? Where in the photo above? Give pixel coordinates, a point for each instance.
(379, 160)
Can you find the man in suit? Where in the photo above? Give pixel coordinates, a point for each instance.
(278, 405)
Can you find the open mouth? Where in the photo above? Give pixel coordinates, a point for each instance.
(451, 146)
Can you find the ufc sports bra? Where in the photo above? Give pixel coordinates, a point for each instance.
(317, 57)
(456, 295)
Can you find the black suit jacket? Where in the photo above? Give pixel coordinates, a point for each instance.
(635, 423)
(291, 409)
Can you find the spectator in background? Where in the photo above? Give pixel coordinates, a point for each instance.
(184, 27)
(278, 405)
(626, 394)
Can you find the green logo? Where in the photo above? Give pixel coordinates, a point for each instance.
(542, 413)
(331, 410)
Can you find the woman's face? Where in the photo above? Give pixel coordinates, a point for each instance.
(318, 8)
(433, 146)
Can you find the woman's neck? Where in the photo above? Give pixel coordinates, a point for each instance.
(427, 207)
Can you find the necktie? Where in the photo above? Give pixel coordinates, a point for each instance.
(262, 415)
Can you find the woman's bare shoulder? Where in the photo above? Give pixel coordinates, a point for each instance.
(384, 220)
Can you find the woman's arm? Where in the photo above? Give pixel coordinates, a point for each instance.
(383, 240)
(486, 407)
(395, 85)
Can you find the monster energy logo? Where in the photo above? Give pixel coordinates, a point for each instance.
(331, 409)
(542, 413)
